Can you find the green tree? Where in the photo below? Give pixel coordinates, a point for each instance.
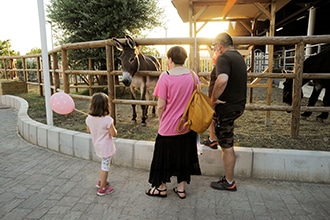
(90, 20)
(34, 50)
(5, 49)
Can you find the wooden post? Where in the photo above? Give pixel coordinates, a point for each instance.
(56, 74)
(75, 78)
(192, 33)
(90, 76)
(66, 82)
(270, 61)
(111, 80)
(296, 93)
(25, 73)
(51, 79)
(5, 68)
(196, 57)
(252, 70)
(253, 28)
(39, 77)
(11, 68)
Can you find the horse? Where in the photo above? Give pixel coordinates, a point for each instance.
(133, 61)
(318, 63)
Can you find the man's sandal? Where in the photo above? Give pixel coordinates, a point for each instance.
(152, 192)
(175, 189)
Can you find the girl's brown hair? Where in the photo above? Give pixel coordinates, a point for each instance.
(99, 105)
(177, 54)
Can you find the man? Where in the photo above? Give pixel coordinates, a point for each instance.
(228, 98)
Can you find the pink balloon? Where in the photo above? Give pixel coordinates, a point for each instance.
(61, 103)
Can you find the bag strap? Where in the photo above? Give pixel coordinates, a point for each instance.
(193, 75)
(181, 124)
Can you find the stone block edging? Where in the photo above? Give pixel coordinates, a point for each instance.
(280, 164)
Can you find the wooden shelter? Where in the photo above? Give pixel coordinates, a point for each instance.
(244, 12)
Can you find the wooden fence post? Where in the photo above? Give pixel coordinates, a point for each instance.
(90, 76)
(296, 93)
(66, 81)
(111, 81)
(5, 68)
(11, 68)
(39, 77)
(51, 79)
(56, 74)
(25, 75)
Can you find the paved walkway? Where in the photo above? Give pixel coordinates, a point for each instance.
(36, 183)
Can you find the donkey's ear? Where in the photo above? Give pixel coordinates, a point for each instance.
(118, 45)
(131, 43)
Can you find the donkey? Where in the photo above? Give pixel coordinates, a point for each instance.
(132, 61)
(314, 64)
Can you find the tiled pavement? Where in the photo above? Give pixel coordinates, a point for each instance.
(36, 183)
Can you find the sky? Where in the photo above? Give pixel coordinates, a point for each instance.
(24, 34)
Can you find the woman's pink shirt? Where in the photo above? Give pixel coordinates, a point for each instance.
(176, 91)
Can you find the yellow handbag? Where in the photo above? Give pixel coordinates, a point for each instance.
(198, 113)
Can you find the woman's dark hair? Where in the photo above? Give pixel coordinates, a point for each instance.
(177, 54)
(99, 105)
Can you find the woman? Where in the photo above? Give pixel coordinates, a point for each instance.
(175, 154)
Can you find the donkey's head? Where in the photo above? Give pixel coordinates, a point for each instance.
(129, 58)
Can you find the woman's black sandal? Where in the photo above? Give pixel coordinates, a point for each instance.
(175, 189)
(152, 193)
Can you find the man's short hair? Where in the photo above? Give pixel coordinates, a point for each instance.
(224, 39)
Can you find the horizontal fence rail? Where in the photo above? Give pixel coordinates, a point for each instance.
(63, 78)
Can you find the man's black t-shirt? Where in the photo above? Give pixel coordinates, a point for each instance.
(231, 62)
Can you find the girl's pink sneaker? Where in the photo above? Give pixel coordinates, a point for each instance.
(104, 191)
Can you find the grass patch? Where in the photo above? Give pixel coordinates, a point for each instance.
(76, 120)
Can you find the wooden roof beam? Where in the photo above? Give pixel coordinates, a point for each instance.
(226, 19)
(246, 26)
(263, 10)
(229, 5)
(201, 27)
(199, 13)
(224, 2)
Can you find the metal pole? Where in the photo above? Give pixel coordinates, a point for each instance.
(45, 64)
(310, 29)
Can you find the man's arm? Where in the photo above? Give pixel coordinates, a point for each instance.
(219, 86)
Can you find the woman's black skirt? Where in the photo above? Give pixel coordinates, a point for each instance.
(174, 156)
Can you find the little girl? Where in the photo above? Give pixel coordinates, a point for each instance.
(100, 126)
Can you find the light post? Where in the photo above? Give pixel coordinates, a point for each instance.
(43, 37)
(51, 33)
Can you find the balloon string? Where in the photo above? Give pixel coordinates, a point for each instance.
(84, 113)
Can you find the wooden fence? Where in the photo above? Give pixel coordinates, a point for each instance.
(299, 42)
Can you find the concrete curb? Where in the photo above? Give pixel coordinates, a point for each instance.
(297, 165)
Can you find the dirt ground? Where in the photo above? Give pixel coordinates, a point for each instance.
(250, 129)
